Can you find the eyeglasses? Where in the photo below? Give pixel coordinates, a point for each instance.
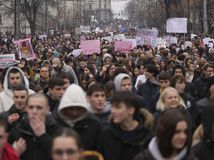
(69, 152)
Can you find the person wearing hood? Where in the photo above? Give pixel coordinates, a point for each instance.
(204, 150)
(73, 112)
(172, 140)
(13, 78)
(130, 128)
(59, 66)
(98, 104)
(123, 82)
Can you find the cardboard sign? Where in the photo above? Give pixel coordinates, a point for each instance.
(119, 37)
(134, 42)
(109, 38)
(25, 49)
(176, 25)
(206, 40)
(147, 37)
(161, 42)
(123, 46)
(43, 37)
(76, 52)
(187, 44)
(7, 60)
(90, 46)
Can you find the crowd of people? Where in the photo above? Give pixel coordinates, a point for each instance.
(145, 104)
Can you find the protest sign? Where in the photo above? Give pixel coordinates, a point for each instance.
(134, 42)
(161, 42)
(187, 44)
(76, 52)
(210, 45)
(67, 35)
(109, 38)
(43, 37)
(77, 31)
(119, 37)
(25, 49)
(170, 40)
(147, 37)
(206, 40)
(176, 25)
(7, 60)
(123, 46)
(85, 29)
(90, 46)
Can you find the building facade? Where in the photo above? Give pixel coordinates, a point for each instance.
(7, 19)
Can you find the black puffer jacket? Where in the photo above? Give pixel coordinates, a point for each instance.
(5, 115)
(38, 148)
(117, 144)
(89, 130)
(205, 149)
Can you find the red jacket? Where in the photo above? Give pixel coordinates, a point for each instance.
(9, 153)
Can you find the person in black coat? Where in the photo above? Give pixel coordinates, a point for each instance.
(172, 140)
(179, 83)
(74, 113)
(130, 130)
(17, 110)
(202, 82)
(151, 87)
(204, 150)
(36, 128)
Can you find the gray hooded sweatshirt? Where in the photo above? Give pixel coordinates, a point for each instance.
(118, 79)
(6, 97)
(73, 96)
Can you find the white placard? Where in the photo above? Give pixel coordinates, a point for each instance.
(7, 60)
(187, 44)
(176, 25)
(147, 37)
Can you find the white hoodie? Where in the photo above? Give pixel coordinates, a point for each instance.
(73, 96)
(6, 97)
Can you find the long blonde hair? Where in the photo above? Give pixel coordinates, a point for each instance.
(160, 106)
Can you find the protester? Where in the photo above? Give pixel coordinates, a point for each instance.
(55, 92)
(44, 78)
(8, 152)
(59, 60)
(59, 66)
(73, 112)
(14, 115)
(130, 129)
(36, 128)
(98, 104)
(172, 140)
(66, 145)
(150, 87)
(202, 81)
(13, 78)
(204, 149)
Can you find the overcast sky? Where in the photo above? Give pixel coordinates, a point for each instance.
(118, 5)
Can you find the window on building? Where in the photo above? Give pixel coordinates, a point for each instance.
(1, 18)
(90, 6)
(105, 6)
(99, 3)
